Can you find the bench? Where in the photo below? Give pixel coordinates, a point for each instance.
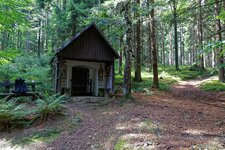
(34, 95)
(8, 94)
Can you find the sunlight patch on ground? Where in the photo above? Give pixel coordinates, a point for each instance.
(167, 75)
(195, 132)
(136, 141)
(8, 145)
(214, 144)
(137, 124)
(137, 136)
(146, 75)
(181, 87)
(169, 101)
(110, 112)
(196, 83)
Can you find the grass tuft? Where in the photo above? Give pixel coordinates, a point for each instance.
(212, 85)
(120, 144)
(46, 135)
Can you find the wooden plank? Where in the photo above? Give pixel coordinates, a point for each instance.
(27, 93)
(28, 83)
(7, 86)
(11, 95)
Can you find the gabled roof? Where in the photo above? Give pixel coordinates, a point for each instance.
(89, 44)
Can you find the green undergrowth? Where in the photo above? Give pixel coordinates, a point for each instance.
(213, 85)
(165, 80)
(46, 135)
(188, 72)
(13, 114)
(167, 77)
(27, 66)
(120, 144)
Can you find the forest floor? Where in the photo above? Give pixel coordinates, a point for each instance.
(183, 118)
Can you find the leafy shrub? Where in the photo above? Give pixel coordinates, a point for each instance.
(164, 86)
(187, 72)
(29, 67)
(12, 115)
(212, 85)
(50, 105)
(195, 67)
(213, 72)
(7, 55)
(165, 81)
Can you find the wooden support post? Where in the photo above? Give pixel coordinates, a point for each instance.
(33, 86)
(7, 86)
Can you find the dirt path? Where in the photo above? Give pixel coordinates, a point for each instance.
(186, 117)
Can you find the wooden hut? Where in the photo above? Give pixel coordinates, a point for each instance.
(85, 65)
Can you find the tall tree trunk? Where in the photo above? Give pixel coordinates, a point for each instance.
(154, 49)
(42, 36)
(39, 40)
(220, 56)
(175, 34)
(128, 52)
(213, 58)
(142, 42)
(149, 38)
(192, 49)
(201, 36)
(74, 24)
(171, 50)
(5, 40)
(121, 56)
(64, 4)
(137, 76)
(181, 47)
(46, 31)
(163, 45)
(19, 35)
(28, 48)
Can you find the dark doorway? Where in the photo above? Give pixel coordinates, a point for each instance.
(80, 81)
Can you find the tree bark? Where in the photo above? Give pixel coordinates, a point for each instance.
(163, 46)
(220, 56)
(175, 34)
(64, 4)
(137, 76)
(149, 38)
(181, 47)
(121, 56)
(128, 52)
(171, 50)
(5, 41)
(201, 36)
(153, 48)
(39, 40)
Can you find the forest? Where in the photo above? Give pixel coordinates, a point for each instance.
(169, 78)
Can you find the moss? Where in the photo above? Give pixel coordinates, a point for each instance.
(165, 80)
(167, 76)
(187, 72)
(212, 85)
(149, 125)
(120, 144)
(47, 135)
(164, 86)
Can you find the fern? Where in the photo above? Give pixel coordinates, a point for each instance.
(50, 105)
(12, 115)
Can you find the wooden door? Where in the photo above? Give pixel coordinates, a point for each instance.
(80, 81)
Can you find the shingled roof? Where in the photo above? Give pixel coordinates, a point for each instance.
(89, 45)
